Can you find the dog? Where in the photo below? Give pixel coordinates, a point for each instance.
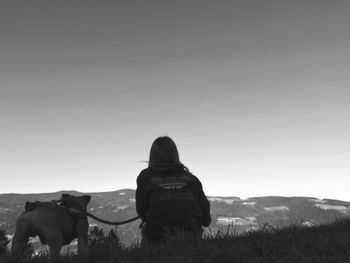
(56, 224)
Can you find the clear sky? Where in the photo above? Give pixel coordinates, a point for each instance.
(254, 93)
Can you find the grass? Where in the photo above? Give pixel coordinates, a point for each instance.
(326, 243)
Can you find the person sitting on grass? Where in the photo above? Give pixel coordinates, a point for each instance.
(169, 198)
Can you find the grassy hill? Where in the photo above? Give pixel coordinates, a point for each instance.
(325, 243)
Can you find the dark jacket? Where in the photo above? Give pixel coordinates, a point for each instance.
(171, 197)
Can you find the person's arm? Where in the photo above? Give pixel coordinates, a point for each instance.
(204, 204)
(140, 197)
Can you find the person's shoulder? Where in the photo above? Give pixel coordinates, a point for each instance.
(144, 174)
(192, 177)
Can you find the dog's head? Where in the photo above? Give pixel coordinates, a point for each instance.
(75, 204)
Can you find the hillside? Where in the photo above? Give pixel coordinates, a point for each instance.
(328, 243)
(239, 215)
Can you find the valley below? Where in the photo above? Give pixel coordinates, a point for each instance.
(229, 214)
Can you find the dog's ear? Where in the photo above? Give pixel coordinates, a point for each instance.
(64, 196)
(86, 199)
(30, 206)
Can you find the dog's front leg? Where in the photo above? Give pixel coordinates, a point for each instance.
(82, 228)
(82, 246)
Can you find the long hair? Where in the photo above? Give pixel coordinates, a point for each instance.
(164, 154)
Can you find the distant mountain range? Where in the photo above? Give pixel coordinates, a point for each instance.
(228, 213)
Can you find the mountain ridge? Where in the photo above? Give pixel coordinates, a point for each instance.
(131, 189)
(227, 211)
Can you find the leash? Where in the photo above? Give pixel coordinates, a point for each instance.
(116, 223)
(77, 211)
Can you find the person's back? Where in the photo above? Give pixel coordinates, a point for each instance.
(169, 199)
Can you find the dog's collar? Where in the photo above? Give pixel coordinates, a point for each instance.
(74, 212)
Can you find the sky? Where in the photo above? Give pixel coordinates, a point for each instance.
(254, 93)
